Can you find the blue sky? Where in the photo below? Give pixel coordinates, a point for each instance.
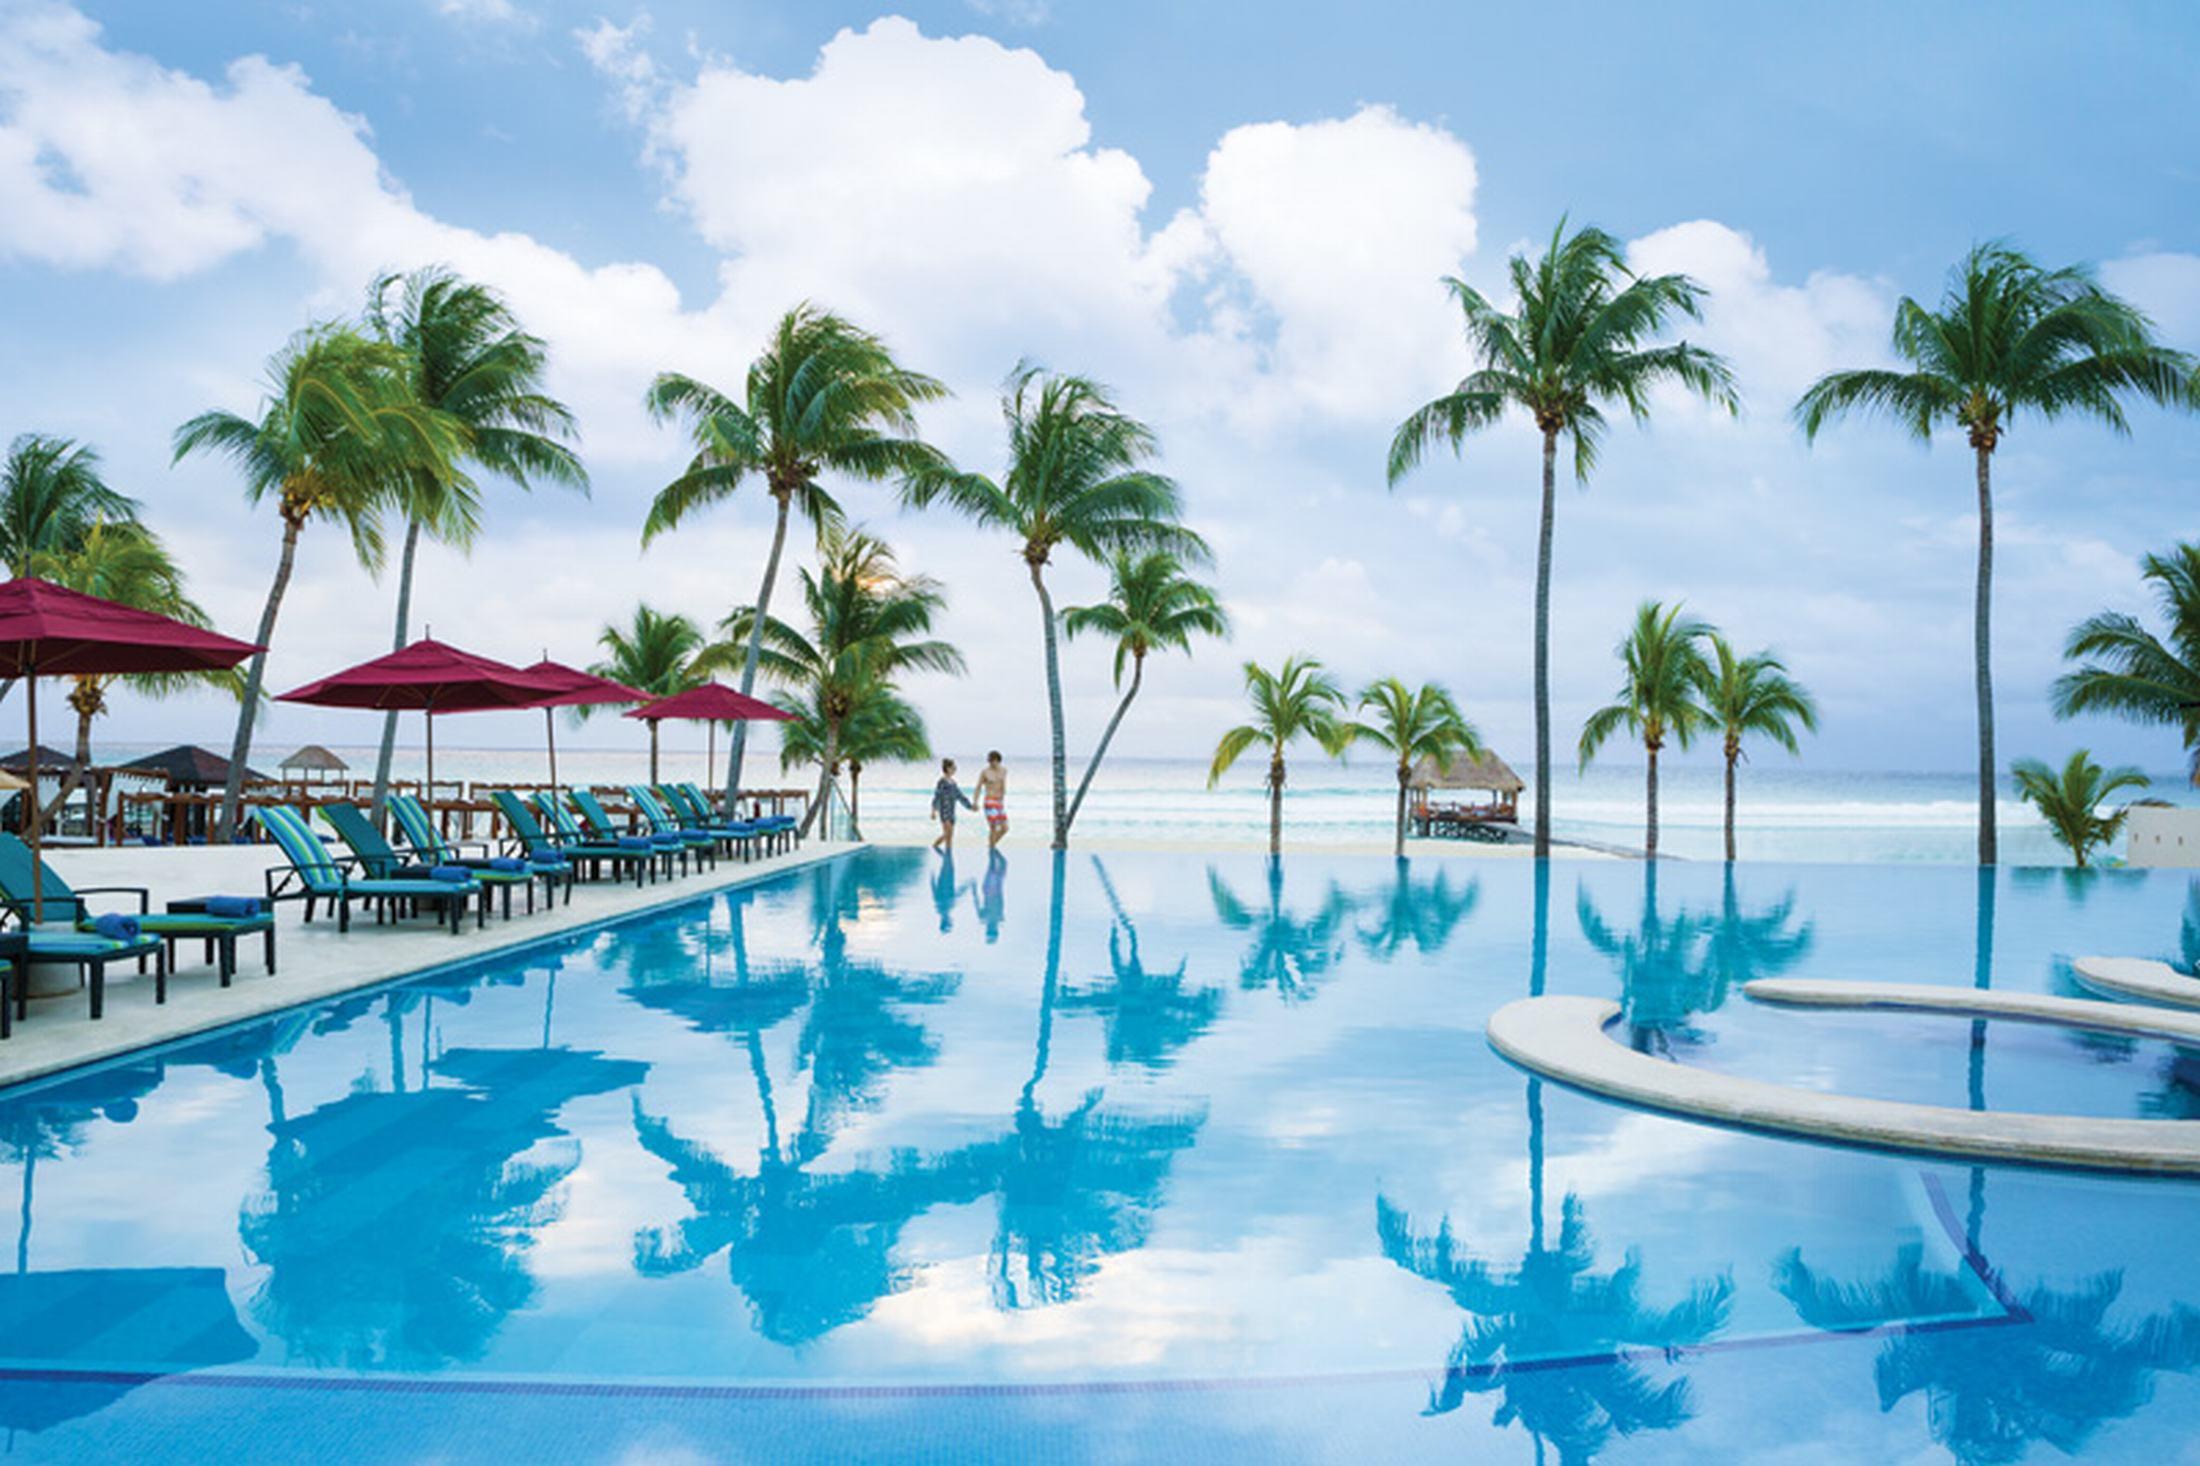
(1236, 215)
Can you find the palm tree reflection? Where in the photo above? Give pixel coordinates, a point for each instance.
(1289, 953)
(1421, 915)
(1674, 967)
(1149, 1015)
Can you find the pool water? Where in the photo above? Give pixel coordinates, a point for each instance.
(1116, 1158)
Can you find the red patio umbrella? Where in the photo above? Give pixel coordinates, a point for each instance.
(430, 676)
(576, 689)
(711, 703)
(49, 630)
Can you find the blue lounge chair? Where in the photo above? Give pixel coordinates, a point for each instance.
(377, 857)
(495, 871)
(741, 835)
(638, 855)
(661, 821)
(599, 825)
(313, 875)
(776, 832)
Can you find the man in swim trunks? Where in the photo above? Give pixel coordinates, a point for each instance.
(993, 798)
(945, 796)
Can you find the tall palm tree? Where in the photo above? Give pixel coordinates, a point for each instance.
(2070, 801)
(1077, 476)
(466, 358)
(1152, 605)
(1752, 695)
(2008, 339)
(1579, 339)
(338, 431)
(1296, 700)
(52, 494)
(1413, 724)
(128, 564)
(2132, 672)
(881, 724)
(869, 622)
(1657, 698)
(655, 653)
(825, 397)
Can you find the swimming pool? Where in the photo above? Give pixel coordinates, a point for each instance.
(1114, 1158)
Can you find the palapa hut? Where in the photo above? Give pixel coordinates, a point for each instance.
(313, 763)
(189, 766)
(1489, 774)
(190, 770)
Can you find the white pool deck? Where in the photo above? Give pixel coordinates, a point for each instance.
(312, 961)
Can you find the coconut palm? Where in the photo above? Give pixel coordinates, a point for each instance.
(2008, 339)
(2135, 674)
(1077, 477)
(1414, 725)
(655, 652)
(1296, 700)
(338, 432)
(2070, 801)
(881, 725)
(1752, 695)
(465, 357)
(825, 397)
(869, 622)
(1580, 339)
(1152, 605)
(128, 564)
(1657, 699)
(52, 494)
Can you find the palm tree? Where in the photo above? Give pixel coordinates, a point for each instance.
(1076, 477)
(1413, 725)
(1579, 340)
(1754, 694)
(2135, 674)
(128, 564)
(1665, 665)
(1297, 699)
(881, 725)
(2070, 801)
(655, 652)
(825, 397)
(2009, 338)
(869, 623)
(337, 434)
(52, 495)
(466, 358)
(1152, 605)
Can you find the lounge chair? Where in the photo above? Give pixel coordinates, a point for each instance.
(63, 943)
(183, 920)
(599, 825)
(641, 857)
(495, 871)
(313, 875)
(377, 857)
(775, 831)
(741, 835)
(703, 841)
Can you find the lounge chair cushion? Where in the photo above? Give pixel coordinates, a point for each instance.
(115, 926)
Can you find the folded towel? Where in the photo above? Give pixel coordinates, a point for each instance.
(116, 927)
(507, 862)
(636, 842)
(233, 907)
(455, 873)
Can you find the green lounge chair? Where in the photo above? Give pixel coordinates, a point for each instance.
(663, 822)
(565, 838)
(599, 825)
(377, 857)
(313, 875)
(740, 835)
(184, 920)
(776, 832)
(495, 871)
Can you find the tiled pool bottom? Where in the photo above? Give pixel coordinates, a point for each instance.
(1112, 1160)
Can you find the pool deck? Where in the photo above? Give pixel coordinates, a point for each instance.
(312, 961)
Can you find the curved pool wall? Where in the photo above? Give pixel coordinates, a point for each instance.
(1088, 1159)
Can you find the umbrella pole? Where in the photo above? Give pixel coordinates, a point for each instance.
(429, 791)
(32, 810)
(710, 747)
(550, 736)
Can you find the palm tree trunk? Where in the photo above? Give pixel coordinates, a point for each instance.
(1982, 650)
(1275, 804)
(824, 775)
(1543, 647)
(855, 799)
(1054, 707)
(1399, 844)
(74, 778)
(739, 744)
(240, 747)
(1138, 671)
(388, 752)
(1733, 755)
(1650, 806)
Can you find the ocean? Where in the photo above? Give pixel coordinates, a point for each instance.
(1788, 812)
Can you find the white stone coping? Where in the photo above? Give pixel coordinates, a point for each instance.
(2138, 977)
(1568, 1039)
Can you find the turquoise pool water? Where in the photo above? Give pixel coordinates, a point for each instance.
(1111, 1159)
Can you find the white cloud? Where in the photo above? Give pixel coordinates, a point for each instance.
(488, 12)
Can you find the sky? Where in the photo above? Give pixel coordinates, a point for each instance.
(1235, 216)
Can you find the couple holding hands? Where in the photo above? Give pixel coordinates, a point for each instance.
(947, 795)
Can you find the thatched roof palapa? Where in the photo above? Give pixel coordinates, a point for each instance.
(314, 759)
(189, 766)
(1487, 772)
(50, 761)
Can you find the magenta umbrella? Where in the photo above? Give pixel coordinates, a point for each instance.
(430, 676)
(575, 689)
(49, 629)
(711, 703)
